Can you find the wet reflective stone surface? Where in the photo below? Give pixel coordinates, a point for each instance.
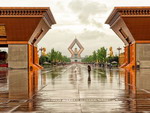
(70, 89)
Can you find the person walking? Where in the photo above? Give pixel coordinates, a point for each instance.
(89, 71)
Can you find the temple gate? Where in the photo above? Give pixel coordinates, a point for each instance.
(21, 28)
(132, 25)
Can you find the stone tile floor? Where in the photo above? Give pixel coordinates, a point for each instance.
(62, 90)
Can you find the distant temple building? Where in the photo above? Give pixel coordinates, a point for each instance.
(75, 54)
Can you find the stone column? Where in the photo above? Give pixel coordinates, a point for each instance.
(22, 83)
(18, 56)
(18, 84)
(143, 55)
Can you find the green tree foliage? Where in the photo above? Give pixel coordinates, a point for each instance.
(43, 59)
(111, 59)
(54, 57)
(101, 55)
(94, 56)
(65, 59)
(97, 56)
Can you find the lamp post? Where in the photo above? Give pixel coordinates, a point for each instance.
(119, 49)
(41, 49)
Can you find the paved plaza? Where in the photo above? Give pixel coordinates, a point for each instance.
(68, 89)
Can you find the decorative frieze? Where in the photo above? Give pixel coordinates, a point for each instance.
(127, 11)
(135, 12)
(9, 12)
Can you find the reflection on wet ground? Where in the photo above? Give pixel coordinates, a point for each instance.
(69, 89)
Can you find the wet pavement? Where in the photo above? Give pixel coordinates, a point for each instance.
(69, 89)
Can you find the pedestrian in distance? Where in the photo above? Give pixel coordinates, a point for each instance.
(89, 68)
(89, 71)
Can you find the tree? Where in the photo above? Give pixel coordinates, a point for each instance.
(52, 55)
(43, 59)
(88, 59)
(94, 56)
(49, 57)
(56, 56)
(65, 59)
(111, 59)
(101, 55)
(59, 56)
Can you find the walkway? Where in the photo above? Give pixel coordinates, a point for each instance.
(67, 90)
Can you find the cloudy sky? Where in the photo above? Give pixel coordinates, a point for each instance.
(83, 19)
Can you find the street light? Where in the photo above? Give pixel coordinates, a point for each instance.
(119, 49)
(41, 49)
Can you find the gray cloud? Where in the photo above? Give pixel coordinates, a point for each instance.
(87, 10)
(96, 23)
(83, 19)
(90, 34)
